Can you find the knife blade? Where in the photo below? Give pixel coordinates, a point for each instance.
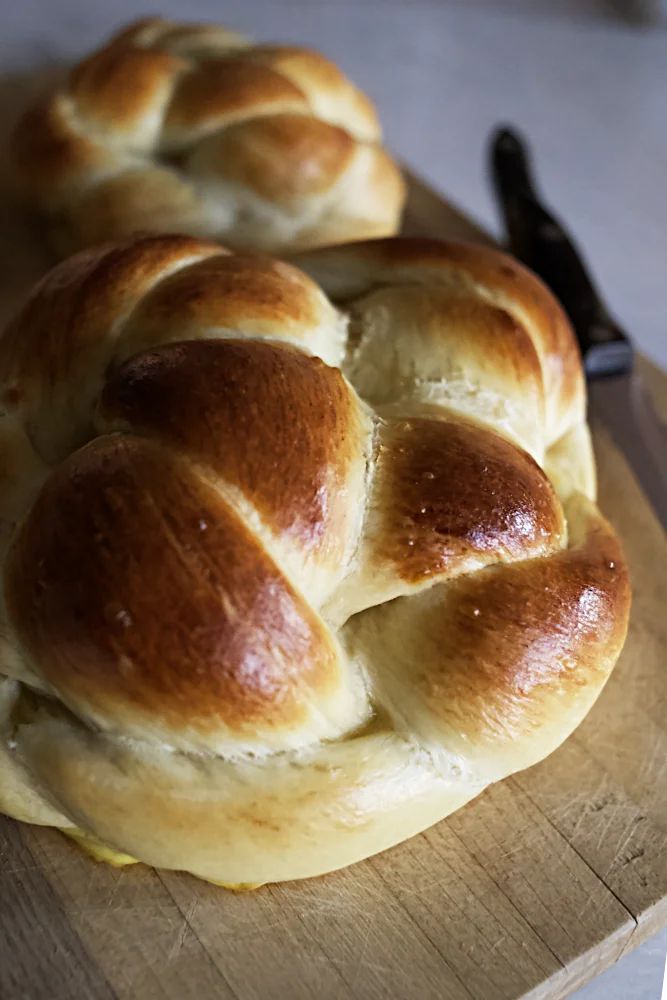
(615, 390)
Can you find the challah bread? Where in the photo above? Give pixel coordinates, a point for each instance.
(297, 560)
(192, 128)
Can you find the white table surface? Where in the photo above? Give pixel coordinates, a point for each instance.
(588, 89)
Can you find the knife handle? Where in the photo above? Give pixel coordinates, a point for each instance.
(541, 241)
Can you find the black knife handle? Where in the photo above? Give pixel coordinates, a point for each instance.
(539, 239)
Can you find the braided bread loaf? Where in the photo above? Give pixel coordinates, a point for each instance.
(189, 127)
(291, 574)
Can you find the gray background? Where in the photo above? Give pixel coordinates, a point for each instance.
(589, 88)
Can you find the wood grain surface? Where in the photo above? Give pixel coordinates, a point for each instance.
(527, 892)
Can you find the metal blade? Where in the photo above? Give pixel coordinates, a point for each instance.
(626, 409)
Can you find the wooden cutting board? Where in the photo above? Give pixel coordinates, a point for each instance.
(529, 891)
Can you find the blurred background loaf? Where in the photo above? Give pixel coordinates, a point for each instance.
(190, 127)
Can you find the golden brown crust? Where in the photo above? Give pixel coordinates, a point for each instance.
(257, 628)
(80, 299)
(326, 87)
(502, 662)
(471, 325)
(547, 615)
(220, 91)
(496, 277)
(52, 356)
(240, 402)
(440, 343)
(457, 496)
(246, 294)
(118, 87)
(282, 158)
(181, 127)
(149, 605)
